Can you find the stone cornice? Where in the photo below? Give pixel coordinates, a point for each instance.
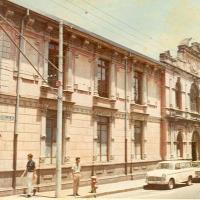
(86, 36)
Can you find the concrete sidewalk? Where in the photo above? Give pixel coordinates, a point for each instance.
(84, 192)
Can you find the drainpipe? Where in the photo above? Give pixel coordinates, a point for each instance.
(125, 121)
(21, 43)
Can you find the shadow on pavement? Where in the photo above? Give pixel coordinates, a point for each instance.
(161, 187)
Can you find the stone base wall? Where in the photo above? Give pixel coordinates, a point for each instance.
(105, 174)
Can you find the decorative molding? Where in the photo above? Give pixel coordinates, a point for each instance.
(42, 160)
(67, 159)
(9, 13)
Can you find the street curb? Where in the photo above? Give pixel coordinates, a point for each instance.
(111, 192)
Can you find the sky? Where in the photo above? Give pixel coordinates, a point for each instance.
(147, 26)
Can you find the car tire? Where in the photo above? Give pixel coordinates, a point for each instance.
(189, 181)
(171, 184)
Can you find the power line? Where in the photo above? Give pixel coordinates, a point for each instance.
(28, 42)
(16, 46)
(22, 53)
(119, 20)
(105, 28)
(119, 28)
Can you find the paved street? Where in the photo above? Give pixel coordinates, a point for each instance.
(181, 192)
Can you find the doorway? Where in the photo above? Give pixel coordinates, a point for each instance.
(179, 145)
(195, 146)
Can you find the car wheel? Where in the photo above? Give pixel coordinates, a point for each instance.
(189, 181)
(171, 184)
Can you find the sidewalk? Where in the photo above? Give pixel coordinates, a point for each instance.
(84, 192)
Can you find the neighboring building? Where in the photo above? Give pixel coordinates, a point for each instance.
(94, 125)
(182, 110)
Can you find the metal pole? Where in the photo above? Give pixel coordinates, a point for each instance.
(125, 122)
(59, 114)
(18, 83)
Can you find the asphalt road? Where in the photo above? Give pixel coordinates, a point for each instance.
(180, 192)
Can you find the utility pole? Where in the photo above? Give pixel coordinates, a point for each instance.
(59, 114)
(18, 86)
(126, 117)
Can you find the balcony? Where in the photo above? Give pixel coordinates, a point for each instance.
(49, 94)
(173, 112)
(138, 108)
(182, 114)
(103, 102)
(139, 112)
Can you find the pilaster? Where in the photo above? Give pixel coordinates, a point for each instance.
(69, 71)
(112, 81)
(132, 85)
(43, 135)
(144, 87)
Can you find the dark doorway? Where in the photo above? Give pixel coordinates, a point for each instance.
(194, 152)
(179, 146)
(195, 146)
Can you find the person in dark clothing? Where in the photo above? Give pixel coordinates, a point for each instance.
(30, 172)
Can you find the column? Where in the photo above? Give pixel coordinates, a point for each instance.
(144, 140)
(174, 141)
(170, 93)
(111, 138)
(187, 98)
(46, 55)
(95, 138)
(171, 140)
(132, 142)
(95, 67)
(66, 137)
(187, 142)
(69, 72)
(132, 85)
(144, 87)
(43, 135)
(112, 81)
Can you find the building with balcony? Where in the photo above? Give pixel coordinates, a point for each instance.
(182, 111)
(112, 102)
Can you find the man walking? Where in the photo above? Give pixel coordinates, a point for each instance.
(30, 172)
(76, 169)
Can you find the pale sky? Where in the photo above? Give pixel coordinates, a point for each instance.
(146, 26)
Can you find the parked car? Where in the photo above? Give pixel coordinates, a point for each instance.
(170, 173)
(196, 165)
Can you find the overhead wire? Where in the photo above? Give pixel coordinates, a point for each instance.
(119, 20)
(16, 45)
(28, 42)
(22, 53)
(105, 28)
(115, 26)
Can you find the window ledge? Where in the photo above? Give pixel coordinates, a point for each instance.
(104, 98)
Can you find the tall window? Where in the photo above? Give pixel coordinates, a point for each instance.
(103, 135)
(53, 57)
(179, 145)
(6, 47)
(178, 94)
(50, 151)
(137, 87)
(138, 132)
(194, 98)
(103, 76)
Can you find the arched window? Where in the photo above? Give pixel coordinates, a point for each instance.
(178, 94)
(194, 98)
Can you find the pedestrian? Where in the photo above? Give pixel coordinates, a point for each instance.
(76, 174)
(30, 172)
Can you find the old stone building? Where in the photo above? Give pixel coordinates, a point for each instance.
(95, 107)
(182, 111)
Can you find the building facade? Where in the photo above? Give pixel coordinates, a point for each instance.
(181, 112)
(112, 102)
